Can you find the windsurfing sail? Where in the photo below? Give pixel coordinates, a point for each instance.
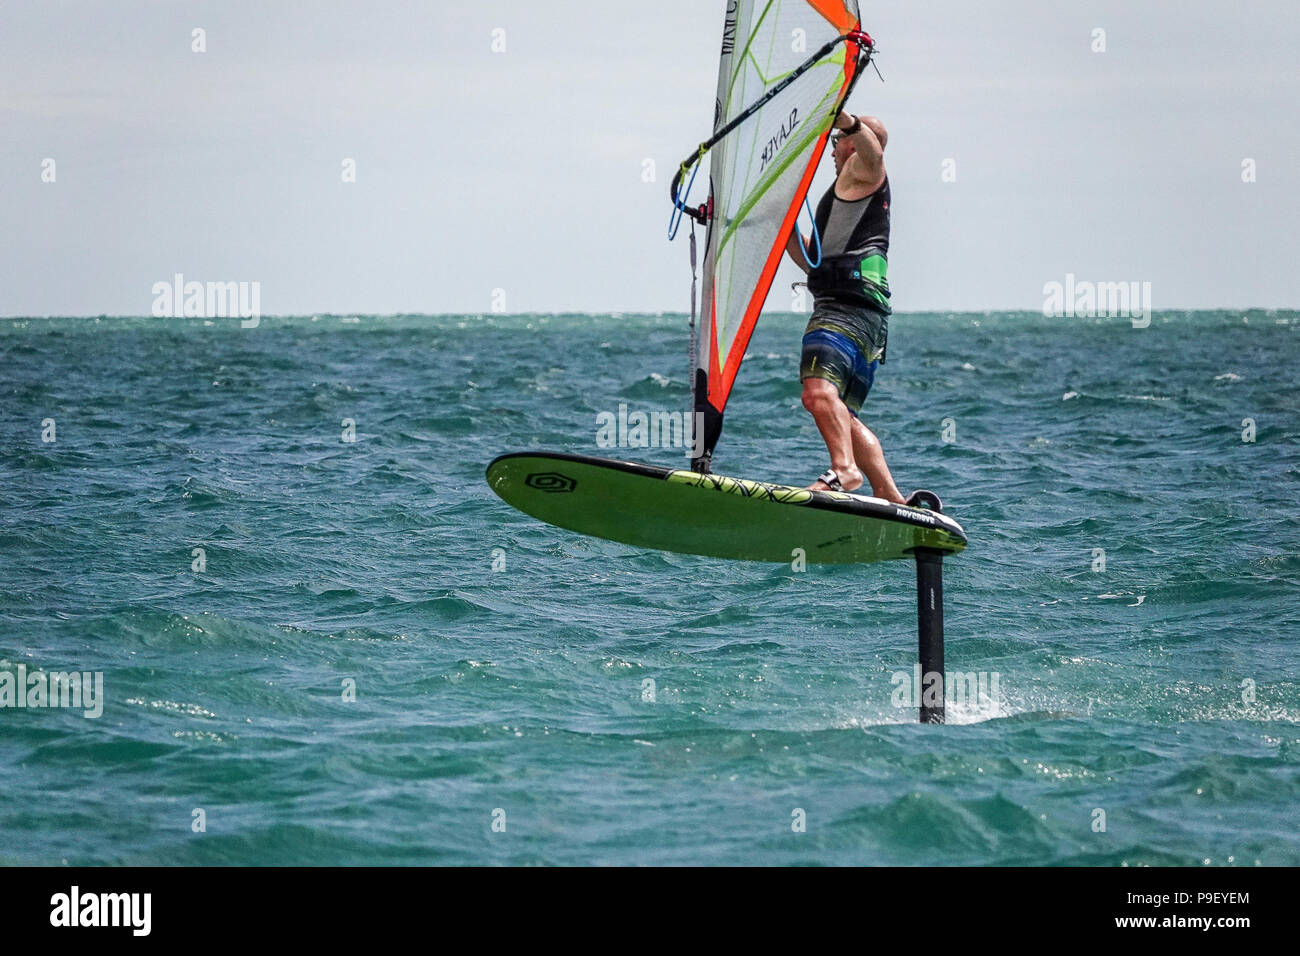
(786, 68)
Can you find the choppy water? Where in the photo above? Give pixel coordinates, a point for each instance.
(1162, 690)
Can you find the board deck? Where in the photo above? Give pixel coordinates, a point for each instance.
(681, 511)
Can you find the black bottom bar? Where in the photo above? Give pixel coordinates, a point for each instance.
(1038, 902)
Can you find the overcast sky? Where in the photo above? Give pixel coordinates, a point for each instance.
(522, 170)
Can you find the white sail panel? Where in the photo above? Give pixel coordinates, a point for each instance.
(762, 169)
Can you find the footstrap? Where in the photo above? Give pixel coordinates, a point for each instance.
(831, 480)
(925, 499)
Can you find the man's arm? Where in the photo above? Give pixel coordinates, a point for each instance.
(797, 251)
(867, 164)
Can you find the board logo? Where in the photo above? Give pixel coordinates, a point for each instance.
(551, 482)
(778, 139)
(915, 514)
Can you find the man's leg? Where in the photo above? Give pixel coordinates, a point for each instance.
(871, 459)
(822, 399)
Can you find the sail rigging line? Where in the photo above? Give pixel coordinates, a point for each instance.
(679, 205)
(815, 235)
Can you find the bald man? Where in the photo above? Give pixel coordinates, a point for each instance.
(844, 343)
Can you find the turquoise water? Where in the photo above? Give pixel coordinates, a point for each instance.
(521, 690)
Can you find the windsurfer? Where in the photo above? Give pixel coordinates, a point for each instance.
(845, 340)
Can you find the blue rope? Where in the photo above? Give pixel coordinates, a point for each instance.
(679, 204)
(816, 235)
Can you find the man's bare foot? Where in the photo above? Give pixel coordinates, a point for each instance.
(850, 480)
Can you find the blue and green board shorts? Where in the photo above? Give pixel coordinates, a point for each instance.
(839, 360)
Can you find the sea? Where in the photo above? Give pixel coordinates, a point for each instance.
(309, 633)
